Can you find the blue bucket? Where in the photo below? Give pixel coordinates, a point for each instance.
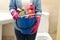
(25, 24)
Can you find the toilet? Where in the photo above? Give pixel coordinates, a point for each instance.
(43, 36)
(42, 33)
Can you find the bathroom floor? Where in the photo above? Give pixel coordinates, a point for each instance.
(8, 38)
(53, 36)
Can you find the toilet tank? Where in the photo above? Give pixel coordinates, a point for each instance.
(44, 23)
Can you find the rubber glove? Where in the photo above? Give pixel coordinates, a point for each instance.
(15, 15)
(35, 27)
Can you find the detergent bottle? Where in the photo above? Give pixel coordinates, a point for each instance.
(31, 10)
(23, 10)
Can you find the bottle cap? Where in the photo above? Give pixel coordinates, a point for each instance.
(18, 9)
(23, 8)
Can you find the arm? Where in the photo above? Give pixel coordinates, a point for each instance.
(38, 6)
(38, 10)
(12, 5)
(12, 9)
(35, 27)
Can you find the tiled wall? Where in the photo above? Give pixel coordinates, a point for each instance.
(58, 27)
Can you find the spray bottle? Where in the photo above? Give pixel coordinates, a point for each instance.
(31, 10)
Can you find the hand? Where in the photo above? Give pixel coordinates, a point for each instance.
(15, 15)
(35, 27)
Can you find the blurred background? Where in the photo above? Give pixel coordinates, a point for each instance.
(51, 6)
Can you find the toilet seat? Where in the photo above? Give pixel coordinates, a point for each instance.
(43, 36)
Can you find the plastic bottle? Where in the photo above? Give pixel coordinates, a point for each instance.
(31, 10)
(21, 11)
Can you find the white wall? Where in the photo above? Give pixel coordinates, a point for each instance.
(4, 4)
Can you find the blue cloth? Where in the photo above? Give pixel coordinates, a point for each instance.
(14, 4)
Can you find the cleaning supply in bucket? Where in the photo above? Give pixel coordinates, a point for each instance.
(21, 12)
(31, 10)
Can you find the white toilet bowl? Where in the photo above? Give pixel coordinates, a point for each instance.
(43, 36)
(42, 33)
